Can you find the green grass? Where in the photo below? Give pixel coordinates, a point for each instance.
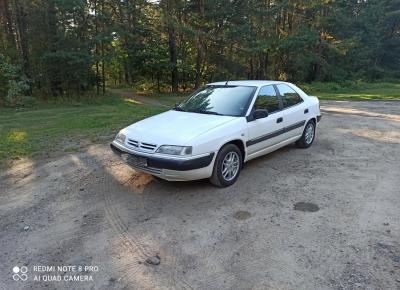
(51, 126)
(348, 91)
(169, 99)
(354, 91)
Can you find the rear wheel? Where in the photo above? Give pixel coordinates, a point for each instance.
(308, 136)
(227, 166)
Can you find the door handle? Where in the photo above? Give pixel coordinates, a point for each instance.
(305, 111)
(279, 120)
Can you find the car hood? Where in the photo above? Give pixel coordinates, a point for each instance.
(174, 127)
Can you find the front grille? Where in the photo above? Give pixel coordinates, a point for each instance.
(133, 143)
(148, 146)
(141, 146)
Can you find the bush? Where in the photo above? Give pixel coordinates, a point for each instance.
(14, 86)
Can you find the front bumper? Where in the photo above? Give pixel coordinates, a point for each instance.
(319, 118)
(168, 168)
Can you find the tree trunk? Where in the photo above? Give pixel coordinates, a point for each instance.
(53, 74)
(173, 58)
(103, 69)
(103, 77)
(96, 31)
(200, 52)
(124, 42)
(158, 82)
(5, 16)
(251, 73)
(23, 36)
(317, 65)
(126, 73)
(169, 14)
(199, 58)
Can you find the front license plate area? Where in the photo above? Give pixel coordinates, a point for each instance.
(135, 160)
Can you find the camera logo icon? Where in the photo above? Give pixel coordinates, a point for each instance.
(19, 273)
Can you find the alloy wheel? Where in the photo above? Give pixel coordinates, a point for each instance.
(309, 136)
(230, 166)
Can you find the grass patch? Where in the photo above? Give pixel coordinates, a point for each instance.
(353, 91)
(169, 99)
(348, 91)
(26, 131)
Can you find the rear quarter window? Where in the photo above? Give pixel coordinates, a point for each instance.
(289, 96)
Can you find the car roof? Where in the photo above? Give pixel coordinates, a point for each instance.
(255, 83)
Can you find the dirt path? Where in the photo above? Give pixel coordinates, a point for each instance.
(90, 209)
(138, 98)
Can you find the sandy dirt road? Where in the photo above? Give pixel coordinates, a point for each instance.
(89, 209)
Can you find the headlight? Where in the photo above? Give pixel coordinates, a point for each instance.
(120, 138)
(175, 150)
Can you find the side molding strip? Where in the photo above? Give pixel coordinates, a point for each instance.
(275, 133)
(295, 126)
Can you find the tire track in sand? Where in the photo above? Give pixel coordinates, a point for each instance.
(134, 245)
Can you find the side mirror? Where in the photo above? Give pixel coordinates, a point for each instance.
(260, 113)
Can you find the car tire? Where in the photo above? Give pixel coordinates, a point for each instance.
(222, 165)
(308, 136)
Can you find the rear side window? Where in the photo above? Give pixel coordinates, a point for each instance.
(267, 99)
(289, 96)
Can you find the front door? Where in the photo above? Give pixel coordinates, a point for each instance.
(265, 132)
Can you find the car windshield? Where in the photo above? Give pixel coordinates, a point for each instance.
(219, 100)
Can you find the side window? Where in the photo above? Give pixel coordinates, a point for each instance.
(289, 96)
(267, 99)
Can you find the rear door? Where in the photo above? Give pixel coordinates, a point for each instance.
(267, 131)
(294, 111)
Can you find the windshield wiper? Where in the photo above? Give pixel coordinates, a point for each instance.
(205, 112)
(177, 108)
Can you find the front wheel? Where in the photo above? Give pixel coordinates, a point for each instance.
(308, 136)
(227, 166)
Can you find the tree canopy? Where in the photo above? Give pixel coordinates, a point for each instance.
(64, 47)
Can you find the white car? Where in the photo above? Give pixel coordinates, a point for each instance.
(218, 128)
